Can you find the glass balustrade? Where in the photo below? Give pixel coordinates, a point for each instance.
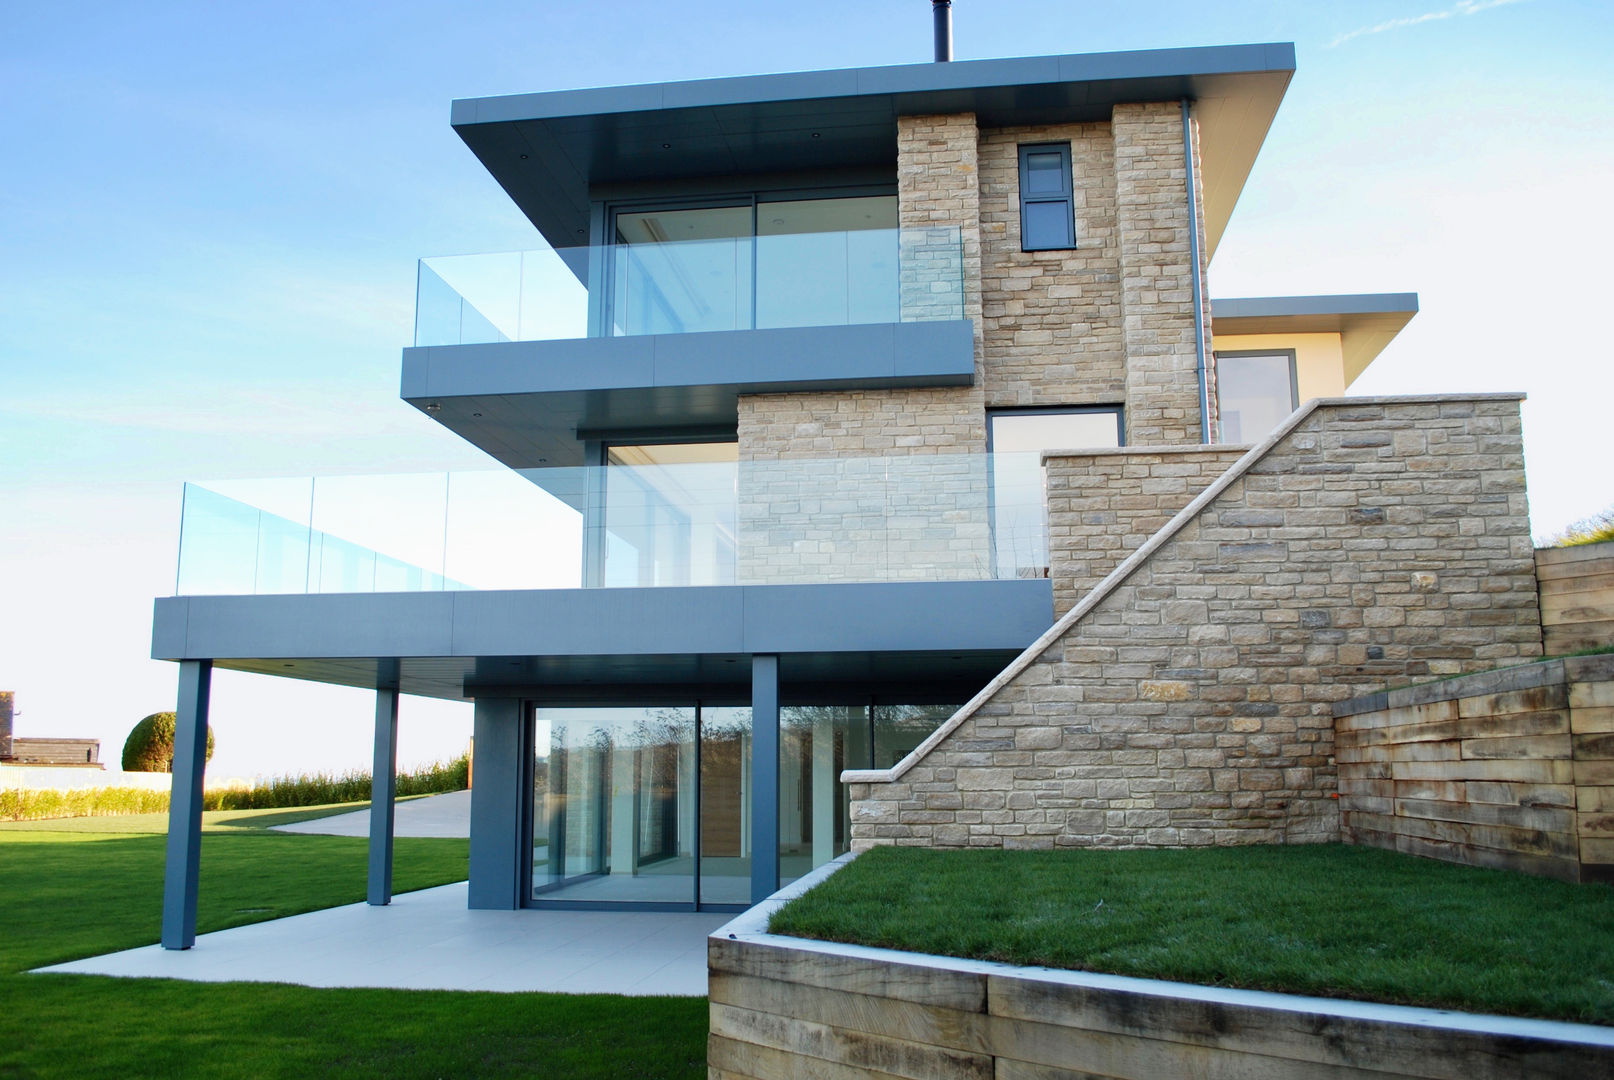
(651, 286)
(698, 522)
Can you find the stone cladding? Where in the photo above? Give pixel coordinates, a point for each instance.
(1372, 541)
(1051, 319)
(1152, 230)
(1102, 506)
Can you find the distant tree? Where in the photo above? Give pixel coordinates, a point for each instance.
(1592, 530)
(150, 746)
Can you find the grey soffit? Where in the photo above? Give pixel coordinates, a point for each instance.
(1366, 322)
(526, 402)
(852, 634)
(549, 151)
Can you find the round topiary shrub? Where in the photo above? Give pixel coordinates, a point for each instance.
(150, 746)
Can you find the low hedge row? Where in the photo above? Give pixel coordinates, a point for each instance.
(316, 789)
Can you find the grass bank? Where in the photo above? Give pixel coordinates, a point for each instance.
(1330, 920)
(78, 892)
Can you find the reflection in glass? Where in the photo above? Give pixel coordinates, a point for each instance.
(682, 271)
(814, 741)
(900, 728)
(1019, 481)
(670, 514)
(1254, 394)
(618, 804)
(725, 824)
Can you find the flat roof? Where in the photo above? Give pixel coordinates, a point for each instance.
(549, 150)
(1366, 322)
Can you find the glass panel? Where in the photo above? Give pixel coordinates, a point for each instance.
(1019, 500)
(1044, 174)
(827, 262)
(682, 271)
(619, 804)
(670, 514)
(1046, 225)
(813, 803)
(1254, 394)
(725, 805)
(900, 728)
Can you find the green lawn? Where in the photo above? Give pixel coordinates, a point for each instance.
(1332, 919)
(93, 888)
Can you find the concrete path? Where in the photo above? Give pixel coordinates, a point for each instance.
(435, 815)
(427, 940)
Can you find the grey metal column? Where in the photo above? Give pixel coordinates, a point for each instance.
(383, 789)
(496, 807)
(185, 805)
(764, 777)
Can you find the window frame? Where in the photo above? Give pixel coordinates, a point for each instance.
(1239, 354)
(1065, 197)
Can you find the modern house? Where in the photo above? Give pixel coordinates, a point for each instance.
(773, 408)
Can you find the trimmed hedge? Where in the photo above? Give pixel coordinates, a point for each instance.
(150, 746)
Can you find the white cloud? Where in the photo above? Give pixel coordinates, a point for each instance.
(1462, 7)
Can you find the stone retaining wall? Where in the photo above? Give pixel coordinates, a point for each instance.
(1577, 597)
(1511, 768)
(1103, 504)
(784, 1006)
(1188, 699)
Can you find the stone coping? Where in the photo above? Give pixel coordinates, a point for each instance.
(1595, 668)
(1144, 552)
(751, 928)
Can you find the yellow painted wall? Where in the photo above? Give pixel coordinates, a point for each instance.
(1319, 358)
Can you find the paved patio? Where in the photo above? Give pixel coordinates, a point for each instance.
(435, 815)
(428, 940)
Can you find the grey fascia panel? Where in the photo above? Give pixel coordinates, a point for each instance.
(897, 616)
(734, 361)
(1249, 307)
(943, 616)
(169, 617)
(599, 622)
(892, 80)
(320, 625)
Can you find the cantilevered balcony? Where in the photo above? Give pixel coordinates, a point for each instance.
(530, 354)
(927, 568)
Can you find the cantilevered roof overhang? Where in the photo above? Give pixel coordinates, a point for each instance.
(550, 151)
(1365, 322)
(938, 639)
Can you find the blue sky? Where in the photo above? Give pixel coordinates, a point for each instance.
(210, 216)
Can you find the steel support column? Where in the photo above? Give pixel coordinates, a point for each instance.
(764, 777)
(383, 790)
(496, 807)
(185, 805)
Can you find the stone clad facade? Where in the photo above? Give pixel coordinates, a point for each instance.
(1373, 541)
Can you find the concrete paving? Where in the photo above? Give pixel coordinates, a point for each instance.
(427, 940)
(435, 815)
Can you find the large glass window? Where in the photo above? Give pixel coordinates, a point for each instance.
(627, 799)
(1255, 392)
(669, 514)
(761, 262)
(1017, 439)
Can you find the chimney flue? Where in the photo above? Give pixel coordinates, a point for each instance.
(942, 13)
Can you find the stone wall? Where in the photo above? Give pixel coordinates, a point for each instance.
(1051, 319)
(1369, 541)
(1577, 597)
(1103, 504)
(1153, 232)
(1511, 768)
(783, 1006)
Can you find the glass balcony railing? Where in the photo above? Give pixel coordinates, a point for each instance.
(684, 286)
(899, 518)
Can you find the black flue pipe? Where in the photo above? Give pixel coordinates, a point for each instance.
(942, 12)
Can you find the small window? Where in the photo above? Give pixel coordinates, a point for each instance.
(1255, 392)
(1047, 213)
